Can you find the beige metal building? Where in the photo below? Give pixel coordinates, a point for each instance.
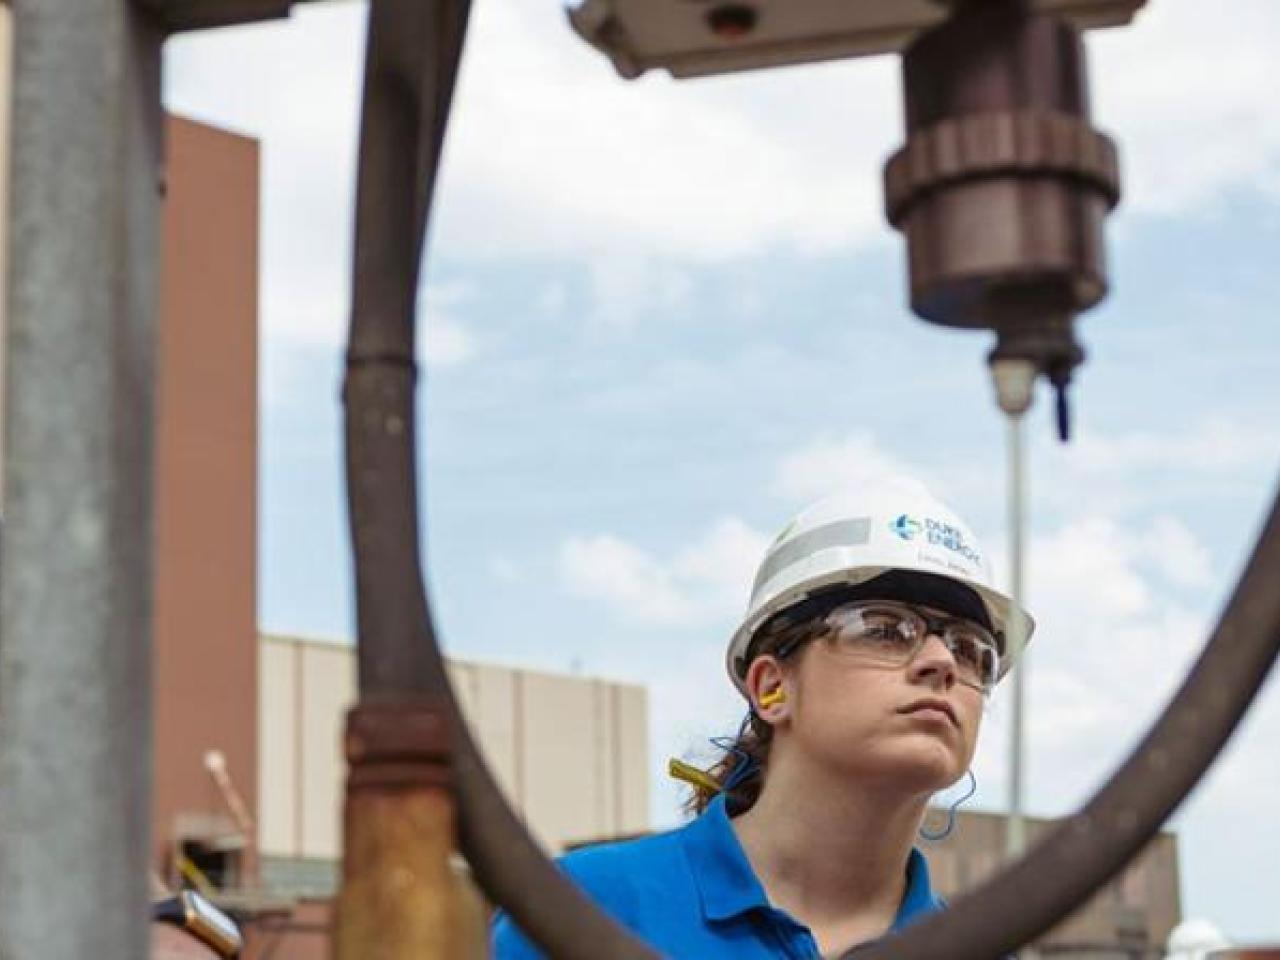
(571, 753)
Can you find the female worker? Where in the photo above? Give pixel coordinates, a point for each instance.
(871, 642)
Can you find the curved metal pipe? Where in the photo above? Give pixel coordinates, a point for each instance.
(1087, 849)
(413, 62)
(414, 49)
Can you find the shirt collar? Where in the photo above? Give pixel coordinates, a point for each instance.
(728, 886)
(726, 883)
(919, 897)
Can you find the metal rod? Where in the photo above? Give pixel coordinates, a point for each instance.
(1016, 835)
(75, 602)
(1016, 832)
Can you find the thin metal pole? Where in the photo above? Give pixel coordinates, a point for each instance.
(1016, 834)
(75, 603)
(1016, 826)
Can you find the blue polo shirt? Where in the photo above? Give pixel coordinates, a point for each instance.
(691, 894)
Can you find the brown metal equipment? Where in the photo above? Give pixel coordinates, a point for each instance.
(1003, 187)
(998, 153)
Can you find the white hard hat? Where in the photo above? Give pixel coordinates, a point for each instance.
(856, 536)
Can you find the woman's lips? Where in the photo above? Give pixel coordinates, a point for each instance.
(933, 708)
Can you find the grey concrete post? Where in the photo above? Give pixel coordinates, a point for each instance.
(75, 595)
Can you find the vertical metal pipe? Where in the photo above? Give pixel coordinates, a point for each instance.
(400, 899)
(75, 603)
(1016, 834)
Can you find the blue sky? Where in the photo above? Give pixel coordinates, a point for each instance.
(661, 316)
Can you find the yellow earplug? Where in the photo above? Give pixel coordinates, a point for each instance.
(773, 696)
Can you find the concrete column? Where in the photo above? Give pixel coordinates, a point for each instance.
(75, 596)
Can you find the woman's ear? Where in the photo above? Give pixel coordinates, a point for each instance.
(766, 686)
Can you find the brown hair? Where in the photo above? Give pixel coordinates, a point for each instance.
(740, 773)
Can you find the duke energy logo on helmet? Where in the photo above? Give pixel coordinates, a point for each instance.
(905, 527)
(936, 532)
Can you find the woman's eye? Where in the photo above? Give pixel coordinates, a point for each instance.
(975, 655)
(883, 631)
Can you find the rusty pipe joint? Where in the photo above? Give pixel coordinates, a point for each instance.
(1003, 186)
(399, 895)
(398, 746)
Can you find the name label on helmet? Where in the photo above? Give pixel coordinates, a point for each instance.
(936, 532)
(950, 537)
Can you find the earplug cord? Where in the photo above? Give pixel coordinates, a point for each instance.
(951, 813)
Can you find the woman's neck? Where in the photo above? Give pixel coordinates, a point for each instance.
(832, 854)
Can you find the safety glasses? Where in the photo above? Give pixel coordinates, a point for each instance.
(891, 634)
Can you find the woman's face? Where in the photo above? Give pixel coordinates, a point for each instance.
(915, 726)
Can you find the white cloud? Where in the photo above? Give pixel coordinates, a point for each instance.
(706, 580)
(829, 465)
(1189, 92)
(447, 343)
(628, 579)
(1175, 552)
(628, 289)
(444, 341)
(506, 570)
(320, 318)
(1092, 561)
(1210, 446)
(552, 153)
(723, 564)
(1189, 463)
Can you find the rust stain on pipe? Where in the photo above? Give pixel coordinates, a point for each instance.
(401, 898)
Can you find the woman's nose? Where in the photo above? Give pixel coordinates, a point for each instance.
(934, 663)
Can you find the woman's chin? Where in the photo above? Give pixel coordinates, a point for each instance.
(922, 770)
